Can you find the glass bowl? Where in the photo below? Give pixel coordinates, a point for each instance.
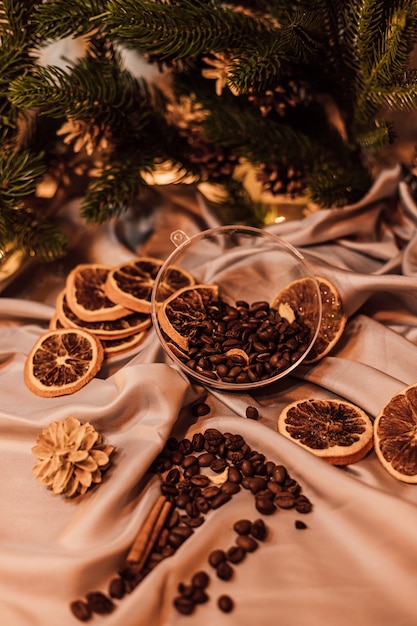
(223, 332)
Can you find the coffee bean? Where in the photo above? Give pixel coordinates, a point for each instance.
(184, 605)
(265, 505)
(81, 610)
(185, 446)
(285, 500)
(225, 603)
(236, 554)
(193, 522)
(303, 504)
(205, 459)
(279, 474)
(216, 557)
(117, 588)
(99, 603)
(242, 527)
(210, 492)
(199, 596)
(200, 579)
(224, 570)
(247, 543)
(198, 442)
(189, 461)
(252, 413)
(230, 487)
(234, 475)
(200, 480)
(258, 530)
(246, 468)
(173, 476)
(300, 525)
(220, 499)
(218, 465)
(201, 409)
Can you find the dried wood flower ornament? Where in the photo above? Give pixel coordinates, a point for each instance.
(71, 457)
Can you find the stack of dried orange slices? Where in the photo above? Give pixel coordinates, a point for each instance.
(108, 308)
(299, 297)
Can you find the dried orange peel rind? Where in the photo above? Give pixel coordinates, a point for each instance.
(180, 314)
(337, 431)
(299, 297)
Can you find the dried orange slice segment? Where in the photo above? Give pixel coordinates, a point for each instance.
(86, 294)
(131, 284)
(182, 313)
(335, 430)
(62, 361)
(299, 296)
(395, 429)
(107, 329)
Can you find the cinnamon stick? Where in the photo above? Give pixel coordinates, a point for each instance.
(149, 532)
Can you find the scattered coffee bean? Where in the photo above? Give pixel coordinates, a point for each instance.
(117, 588)
(247, 543)
(258, 530)
(216, 557)
(225, 603)
(184, 605)
(300, 525)
(99, 603)
(200, 579)
(252, 413)
(201, 409)
(242, 527)
(224, 570)
(199, 596)
(236, 554)
(303, 505)
(265, 505)
(81, 610)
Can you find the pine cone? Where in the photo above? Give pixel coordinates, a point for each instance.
(71, 457)
(286, 95)
(213, 161)
(280, 179)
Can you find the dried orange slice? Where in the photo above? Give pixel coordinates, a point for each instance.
(114, 347)
(299, 296)
(395, 429)
(335, 430)
(62, 361)
(182, 313)
(86, 294)
(107, 329)
(131, 284)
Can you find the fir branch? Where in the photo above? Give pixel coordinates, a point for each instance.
(113, 191)
(181, 30)
(57, 19)
(376, 137)
(42, 238)
(93, 89)
(20, 172)
(337, 185)
(396, 97)
(247, 133)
